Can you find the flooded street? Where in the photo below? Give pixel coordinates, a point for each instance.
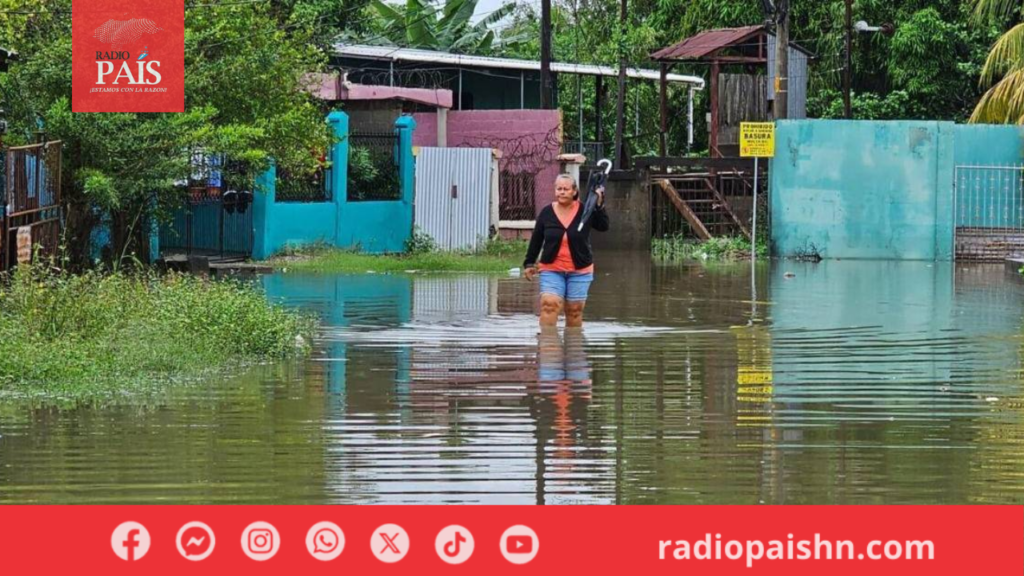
(839, 382)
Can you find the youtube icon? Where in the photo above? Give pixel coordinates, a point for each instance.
(519, 544)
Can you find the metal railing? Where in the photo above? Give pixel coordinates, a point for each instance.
(373, 167)
(593, 151)
(313, 187)
(988, 202)
(517, 192)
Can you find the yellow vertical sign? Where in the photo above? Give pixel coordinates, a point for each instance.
(757, 139)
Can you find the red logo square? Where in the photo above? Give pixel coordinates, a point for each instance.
(128, 56)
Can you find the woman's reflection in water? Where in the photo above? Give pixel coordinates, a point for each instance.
(564, 387)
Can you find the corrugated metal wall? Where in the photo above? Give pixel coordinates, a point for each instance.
(798, 79)
(453, 196)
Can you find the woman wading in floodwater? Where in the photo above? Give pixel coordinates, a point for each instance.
(566, 262)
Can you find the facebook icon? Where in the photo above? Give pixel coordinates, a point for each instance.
(130, 541)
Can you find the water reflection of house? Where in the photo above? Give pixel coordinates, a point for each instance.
(449, 372)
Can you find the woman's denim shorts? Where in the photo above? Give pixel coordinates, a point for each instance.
(568, 286)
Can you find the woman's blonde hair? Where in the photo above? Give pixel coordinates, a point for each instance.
(570, 178)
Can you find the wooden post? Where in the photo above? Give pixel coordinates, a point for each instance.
(713, 133)
(545, 55)
(599, 109)
(663, 148)
(782, 60)
(620, 105)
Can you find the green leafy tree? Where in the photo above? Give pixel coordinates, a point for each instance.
(1003, 73)
(244, 98)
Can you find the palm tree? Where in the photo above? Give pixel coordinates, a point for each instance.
(422, 24)
(1004, 101)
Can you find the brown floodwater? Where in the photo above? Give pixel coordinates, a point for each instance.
(837, 382)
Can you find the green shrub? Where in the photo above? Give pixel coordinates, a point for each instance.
(420, 243)
(721, 248)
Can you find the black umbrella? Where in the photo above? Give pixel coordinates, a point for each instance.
(596, 180)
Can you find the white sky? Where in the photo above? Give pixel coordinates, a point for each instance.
(485, 7)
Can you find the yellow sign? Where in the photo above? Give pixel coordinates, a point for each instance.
(757, 139)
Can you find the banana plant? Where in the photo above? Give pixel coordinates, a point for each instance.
(424, 24)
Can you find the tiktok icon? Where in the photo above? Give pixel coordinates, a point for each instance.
(130, 541)
(454, 544)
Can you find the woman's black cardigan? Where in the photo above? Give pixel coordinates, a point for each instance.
(549, 232)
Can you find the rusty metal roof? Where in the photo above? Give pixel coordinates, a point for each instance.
(706, 43)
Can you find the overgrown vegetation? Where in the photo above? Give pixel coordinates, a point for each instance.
(113, 336)
(244, 98)
(1003, 73)
(421, 255)
(717, 249)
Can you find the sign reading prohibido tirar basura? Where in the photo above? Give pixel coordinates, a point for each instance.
(128, 56)
(757, 140)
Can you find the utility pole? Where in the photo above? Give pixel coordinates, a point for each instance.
(545, 55)
(848, 68)
(781, 59)
(620, 105)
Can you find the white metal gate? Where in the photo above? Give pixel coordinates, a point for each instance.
(989, 207)
(456, 196)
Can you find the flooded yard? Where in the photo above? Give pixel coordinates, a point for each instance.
(838, 382)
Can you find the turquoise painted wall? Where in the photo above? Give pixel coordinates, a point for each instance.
(889, 190)
(375, 227)
(280, 225)
(876, 190)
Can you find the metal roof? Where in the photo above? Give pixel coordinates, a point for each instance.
(706, 43)
(465, 61)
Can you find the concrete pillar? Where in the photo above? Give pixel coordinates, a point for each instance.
(406, 161)
(570, 164)
(339, 170)
(442, 127)
(262, 213)
(495, 183)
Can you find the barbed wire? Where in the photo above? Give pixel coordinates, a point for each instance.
(521, 153)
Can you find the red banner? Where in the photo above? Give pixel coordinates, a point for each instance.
(788, 540)
(128, 56)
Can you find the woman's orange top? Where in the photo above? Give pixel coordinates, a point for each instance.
(563, 262)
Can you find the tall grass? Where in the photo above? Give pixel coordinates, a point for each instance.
(94, 336)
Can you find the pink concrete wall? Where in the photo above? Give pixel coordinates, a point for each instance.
(530, 140)
(426, 129)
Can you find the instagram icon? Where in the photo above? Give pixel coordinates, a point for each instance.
(260, 541)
